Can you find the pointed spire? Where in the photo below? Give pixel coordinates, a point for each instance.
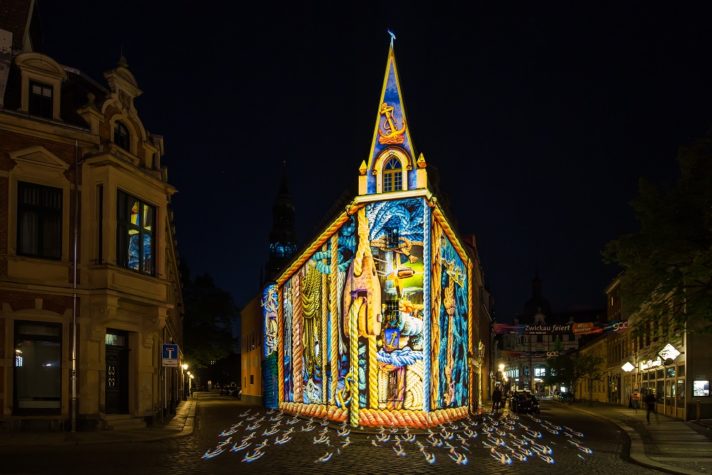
(282, 236)
(283, 184)
(391, 128)
(122, 62)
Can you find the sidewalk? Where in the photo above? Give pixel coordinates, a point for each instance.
(665, 444)
(180, 425)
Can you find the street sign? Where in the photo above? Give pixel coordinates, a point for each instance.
(170, 355)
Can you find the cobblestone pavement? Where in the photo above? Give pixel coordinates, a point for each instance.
(184, 455)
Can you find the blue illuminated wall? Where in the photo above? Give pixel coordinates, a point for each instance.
(270, 304)
(453, 328)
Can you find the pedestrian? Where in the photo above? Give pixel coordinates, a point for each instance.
(636, 400)
(650, 407)
(496, 399)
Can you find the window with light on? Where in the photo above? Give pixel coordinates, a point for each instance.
(135, 234)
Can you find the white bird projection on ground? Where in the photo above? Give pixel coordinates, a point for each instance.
(507, 438)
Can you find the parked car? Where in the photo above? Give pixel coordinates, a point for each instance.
(525, 402)
(566, 397)
(231, 389)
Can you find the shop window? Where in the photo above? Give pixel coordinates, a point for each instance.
(40, 103)
(39, 221)
(539, 372)
(38, 368)
(392, 175)
(681, 371)
(122, 137)
(539, 338)
(135, 234)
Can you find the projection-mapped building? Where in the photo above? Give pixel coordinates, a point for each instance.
(371, 323)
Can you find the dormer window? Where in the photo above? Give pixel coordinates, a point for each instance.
(40, 103)
(122, 138)
(392, 175)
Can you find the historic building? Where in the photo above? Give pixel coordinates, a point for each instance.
(283, 236)
(653, 355)
(86, 236)
(537, 335)
(373, 322)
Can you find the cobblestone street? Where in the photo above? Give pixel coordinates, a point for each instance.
(364, 454)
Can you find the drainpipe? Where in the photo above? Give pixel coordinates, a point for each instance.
(74, 286)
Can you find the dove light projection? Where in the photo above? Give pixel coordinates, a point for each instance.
(371, 324)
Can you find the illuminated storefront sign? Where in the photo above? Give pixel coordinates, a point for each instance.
(701, 388)
(650, 364)
(669, 352)
(627, 367)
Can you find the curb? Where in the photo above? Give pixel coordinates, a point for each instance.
(70, 439)
(636, 452)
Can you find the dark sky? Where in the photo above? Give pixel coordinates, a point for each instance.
(540, 120)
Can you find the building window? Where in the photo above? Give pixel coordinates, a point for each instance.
(38, 368)
(39, 221)
(40, 103)
(135, 234)
(392, 175)
(539, 338)
(122, 138)
(100, 220)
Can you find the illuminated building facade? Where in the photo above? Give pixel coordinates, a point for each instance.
(74, 155)
(372, 322)
(654, 355)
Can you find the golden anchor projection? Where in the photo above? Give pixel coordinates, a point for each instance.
(389, 133)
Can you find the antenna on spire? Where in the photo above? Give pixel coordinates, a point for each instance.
(393, 37)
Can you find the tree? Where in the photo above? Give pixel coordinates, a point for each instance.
(569, 368)
(667, 263)
(209, 310)
(559, 371)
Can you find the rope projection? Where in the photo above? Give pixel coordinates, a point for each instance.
(361, 347)
(311, 304)
(298, 348)
(334, 319)
(436, 297)
(287, 333)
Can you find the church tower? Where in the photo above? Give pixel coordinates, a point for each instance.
(392, 165)
(372, 322)
(282, 237)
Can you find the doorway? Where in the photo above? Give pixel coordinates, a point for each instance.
(117, 372)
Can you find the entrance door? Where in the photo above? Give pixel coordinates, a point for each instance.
(117, 372)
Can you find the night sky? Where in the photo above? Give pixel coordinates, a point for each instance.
(539, 120)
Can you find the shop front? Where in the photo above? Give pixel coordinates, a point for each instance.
(664, 376)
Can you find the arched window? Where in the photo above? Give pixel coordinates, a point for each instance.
(392, 175)
(122, 138)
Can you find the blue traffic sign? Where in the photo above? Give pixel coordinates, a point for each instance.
(170, 355)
